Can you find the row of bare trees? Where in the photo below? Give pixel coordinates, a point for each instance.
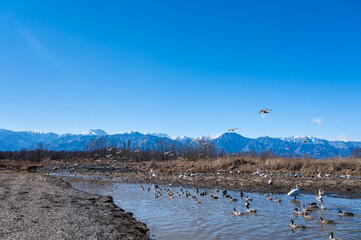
(101, 148)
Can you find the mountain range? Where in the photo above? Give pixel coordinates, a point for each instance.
(231, 142)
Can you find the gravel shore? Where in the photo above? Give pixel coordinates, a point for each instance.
(37, 206)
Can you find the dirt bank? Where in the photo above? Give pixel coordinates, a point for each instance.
(36, 206)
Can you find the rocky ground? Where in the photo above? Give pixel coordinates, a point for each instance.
(37, 206)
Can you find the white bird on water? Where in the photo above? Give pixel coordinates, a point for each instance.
(295, 192)
(270, 182)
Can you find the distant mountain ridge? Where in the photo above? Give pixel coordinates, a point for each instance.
(231, 142)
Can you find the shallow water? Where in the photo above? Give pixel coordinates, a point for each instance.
(181, 218)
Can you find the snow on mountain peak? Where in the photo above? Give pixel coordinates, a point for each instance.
(95, 132)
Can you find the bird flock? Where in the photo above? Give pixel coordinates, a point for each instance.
(307, 212)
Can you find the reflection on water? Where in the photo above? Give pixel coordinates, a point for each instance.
(181, 218)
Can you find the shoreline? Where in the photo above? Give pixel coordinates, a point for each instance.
(37, 206)
(340, 187)
(343, 188)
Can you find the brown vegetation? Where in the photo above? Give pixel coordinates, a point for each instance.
(200, 159)
(252, 164)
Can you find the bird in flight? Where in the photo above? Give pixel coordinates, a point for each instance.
(232, 129)
(265, 111)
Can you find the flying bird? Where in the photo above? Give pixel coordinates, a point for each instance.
(265, 111)
(232, 129)
(319, 196)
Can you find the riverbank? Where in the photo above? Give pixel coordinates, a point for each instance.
(248, 182)
(37, 206)
(346, 188)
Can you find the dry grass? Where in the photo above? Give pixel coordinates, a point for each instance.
(248, 165)
(245, 164)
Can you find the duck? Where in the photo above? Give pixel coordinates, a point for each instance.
(248, 199)
(148, 189)
(343, 214)
(214, 197)
(333, 238)
(241, 194)
(226, 196)
(232, 199)
(236, 213)
(196, 201)
(277, 200)
(269, 198)
(142, 188)
(292, 225)
(295, 192)
(313, 205)
(304, 209)
(249, 210)
(155, 196)
(307, 216)
(324, 221)
(270, 182)
(297, 212)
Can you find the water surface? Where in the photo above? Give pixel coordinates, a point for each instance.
(181, 218)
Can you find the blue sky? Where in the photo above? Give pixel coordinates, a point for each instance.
(193, 68)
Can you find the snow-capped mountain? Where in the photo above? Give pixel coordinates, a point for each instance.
(95, 132)
(230, 142)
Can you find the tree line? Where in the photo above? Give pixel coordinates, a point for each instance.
(100, 148)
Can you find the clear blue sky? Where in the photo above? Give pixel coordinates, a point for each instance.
(193, 68)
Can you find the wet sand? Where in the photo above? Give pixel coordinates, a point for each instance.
(37, 206)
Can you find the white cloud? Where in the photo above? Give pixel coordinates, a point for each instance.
(318, 121)
(344, 138)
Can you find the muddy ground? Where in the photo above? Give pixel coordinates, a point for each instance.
(37, 206)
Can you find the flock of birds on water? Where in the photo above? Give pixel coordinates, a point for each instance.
(305, 211)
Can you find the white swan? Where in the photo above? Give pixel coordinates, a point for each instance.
(295, 192)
